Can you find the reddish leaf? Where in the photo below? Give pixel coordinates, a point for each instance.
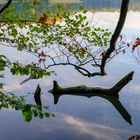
(136, 44)
(43, 19)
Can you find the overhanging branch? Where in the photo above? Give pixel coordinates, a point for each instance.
(5, 6)
(123, 14)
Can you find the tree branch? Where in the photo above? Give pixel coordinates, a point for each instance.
(5, 6)
(123, 14)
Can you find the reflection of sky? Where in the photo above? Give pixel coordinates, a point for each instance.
(82, 118)
(63, 127)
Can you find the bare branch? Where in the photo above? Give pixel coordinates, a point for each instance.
(123, 14)
(5, 6)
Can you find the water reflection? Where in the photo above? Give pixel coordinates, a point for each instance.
(110, 94)
(29, 111)
(72, 127)
(113, 100)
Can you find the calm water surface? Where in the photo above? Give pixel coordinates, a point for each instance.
(78, 118)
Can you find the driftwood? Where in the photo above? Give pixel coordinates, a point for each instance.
(89, 91)
(110, 94)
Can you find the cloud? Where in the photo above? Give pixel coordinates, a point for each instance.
(67, 125)
(12, 84)
(134, 88)
(94, 130)
(110, 19)
(97, 131)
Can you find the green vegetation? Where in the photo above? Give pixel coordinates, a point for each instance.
(55, 39)
(19, 103)
(66, 35)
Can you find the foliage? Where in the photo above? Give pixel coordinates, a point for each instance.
(3, 63)
(19, 103)
(61, 38)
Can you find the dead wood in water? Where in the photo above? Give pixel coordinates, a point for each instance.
(91, 91)
(110, 94)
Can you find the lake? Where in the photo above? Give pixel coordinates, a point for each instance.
(77, 117)
(88, 4)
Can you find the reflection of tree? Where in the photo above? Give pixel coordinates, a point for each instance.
(109, 94)
(28, 110)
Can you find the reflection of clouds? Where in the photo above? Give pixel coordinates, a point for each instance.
(12, 84)
(94, 130)
(46, 81)
(97, 131)
(133, 20)
(103, 19)
(124, 59)
(134, 91)
(15, 55)
(77, 128)
(134, 105)
(134, 88)
(110, 19)
(73, 78)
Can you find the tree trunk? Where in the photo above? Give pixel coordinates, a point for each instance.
(119, 27)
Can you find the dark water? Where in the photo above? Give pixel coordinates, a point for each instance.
(77, 117)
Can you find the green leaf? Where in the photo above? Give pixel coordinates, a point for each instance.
(81, 8)
(35, 113)
(27, 116)
(1, 85)
(47, 115)
(41, 115)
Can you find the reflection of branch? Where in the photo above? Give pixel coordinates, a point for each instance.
(114, 100)
(37, 96)
(110, 94)
(119, 107)
(123, 14)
